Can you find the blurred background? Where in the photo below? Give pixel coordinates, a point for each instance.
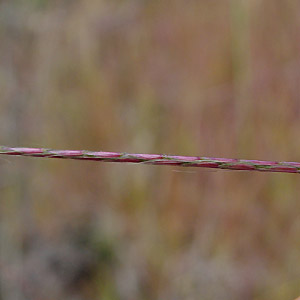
(207, 78)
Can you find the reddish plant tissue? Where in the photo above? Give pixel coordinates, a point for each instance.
(157, 159)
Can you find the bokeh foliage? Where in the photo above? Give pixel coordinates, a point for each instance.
(211, 78)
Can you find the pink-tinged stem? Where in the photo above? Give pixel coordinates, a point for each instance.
(157, 159)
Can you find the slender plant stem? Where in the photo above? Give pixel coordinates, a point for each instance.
(157, 159)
